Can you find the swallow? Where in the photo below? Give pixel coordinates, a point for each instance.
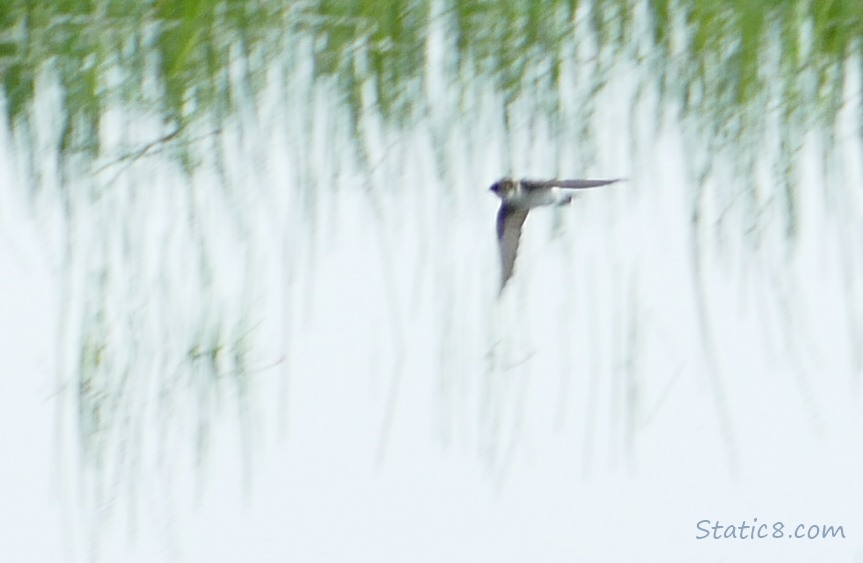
(517, 197)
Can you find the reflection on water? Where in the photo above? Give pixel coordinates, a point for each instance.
(245, 197)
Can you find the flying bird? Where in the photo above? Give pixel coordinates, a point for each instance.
(517, 197)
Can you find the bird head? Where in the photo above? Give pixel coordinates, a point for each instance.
(502, 187)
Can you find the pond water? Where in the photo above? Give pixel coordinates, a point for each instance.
(251, 304)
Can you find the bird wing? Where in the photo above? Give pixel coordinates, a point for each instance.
(509, 222)
(571, 184)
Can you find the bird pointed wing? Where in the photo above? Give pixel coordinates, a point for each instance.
(570, 184)
(509, 222)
